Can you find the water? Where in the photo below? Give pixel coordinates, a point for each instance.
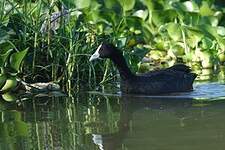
(97, 121)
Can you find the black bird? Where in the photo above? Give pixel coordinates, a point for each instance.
(177, 78)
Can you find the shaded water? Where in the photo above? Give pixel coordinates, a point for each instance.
(92, 121)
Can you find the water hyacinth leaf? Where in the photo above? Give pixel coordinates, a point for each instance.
(177, 49)
(9, 97)
(127, 4)
(221, 30)
(174, 31)
(109, 17)
(160, 17)
(207, 30)
(94, 16)
(206, 43)
(80, 4)
(212, 33)
(221, 43)
(141, 14)
(134, 22)
(188, 6)
(211, 20)
(148, 3)
(16, 59)
(9, 85)
(218, 14)
(191, 18)
(194, 36)
(191, 6)
(110, 3)
(205, 9)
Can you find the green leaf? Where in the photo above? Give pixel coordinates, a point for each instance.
(3, 57)
(191, 6)
(110, 3)
(9, 97)
(16, 59)
(149, 4)
(141, 14)
(135, 22)
(174, 31)
(160, 17)
(206, 43)
(191, 18)
(127, 4)
(211, 32)
(221, 30)
(194, 36)
(82, 3)
(188, 6)
(210, 20)
(205, 9)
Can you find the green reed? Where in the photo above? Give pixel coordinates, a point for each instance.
(57, 54)
(59, 46)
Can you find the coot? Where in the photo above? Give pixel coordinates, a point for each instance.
(177, 78)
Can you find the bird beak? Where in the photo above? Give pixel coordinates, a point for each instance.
(96, 55)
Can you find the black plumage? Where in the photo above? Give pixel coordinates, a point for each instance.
(177, 78)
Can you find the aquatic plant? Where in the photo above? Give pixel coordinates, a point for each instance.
(62, 34)
(10, 62)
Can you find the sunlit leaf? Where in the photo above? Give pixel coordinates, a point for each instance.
(82, 3)
(212, 33)
(221, 30)
(174, 31)
(16, 59)
(205, 9)
(194, 36)
(9, 97)
(206, 43)
(127, 4)
(191, 6)
(211, 20)
(141, 14)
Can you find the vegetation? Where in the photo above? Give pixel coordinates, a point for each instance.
(60, 35)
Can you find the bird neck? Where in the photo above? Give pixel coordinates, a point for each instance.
(121, 64)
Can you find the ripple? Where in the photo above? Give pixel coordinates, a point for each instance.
(202, 91)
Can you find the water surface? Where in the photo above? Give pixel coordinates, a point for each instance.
(95, 120)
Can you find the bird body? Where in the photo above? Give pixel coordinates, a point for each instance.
(160, 81)
(177, 78)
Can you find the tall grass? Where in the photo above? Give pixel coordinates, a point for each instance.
(60, 51)
(61, 35)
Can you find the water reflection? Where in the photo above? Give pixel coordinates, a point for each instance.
(92, 122)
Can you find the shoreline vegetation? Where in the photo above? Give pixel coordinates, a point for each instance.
(52, 40)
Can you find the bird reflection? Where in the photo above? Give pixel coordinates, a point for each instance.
(131, 104)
